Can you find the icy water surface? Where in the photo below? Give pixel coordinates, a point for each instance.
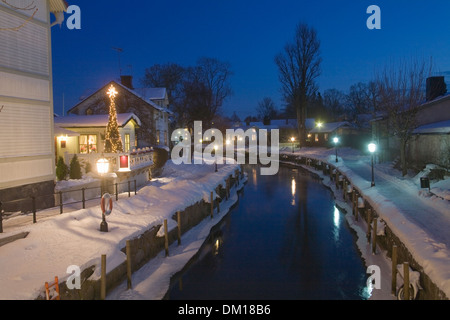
(284, 240)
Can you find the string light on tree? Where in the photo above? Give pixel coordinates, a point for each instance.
(113, 141)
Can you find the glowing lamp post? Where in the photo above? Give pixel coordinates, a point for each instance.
(293, 141)
(372, 149)
(336, 141)
(215, 154)
(102, 169)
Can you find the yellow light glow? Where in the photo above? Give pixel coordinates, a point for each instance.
(112, 93)
(102, 166)
(292, 139)
(319, 124)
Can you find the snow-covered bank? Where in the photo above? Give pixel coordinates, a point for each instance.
(420, 222)
(152, 281)
(74, 239)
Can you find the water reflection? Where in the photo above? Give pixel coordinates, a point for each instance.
(336, 221)
(285, 239)
(293, 191)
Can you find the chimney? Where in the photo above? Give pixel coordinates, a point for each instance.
(436, 87)
(127, 81)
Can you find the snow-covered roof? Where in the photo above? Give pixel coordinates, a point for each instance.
(282, 123)
(152, 93)
(94, 120)
(331, 127)
(58, 131)
(442, 127)
(147, 96)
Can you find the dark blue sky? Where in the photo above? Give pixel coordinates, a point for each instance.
(246, 33)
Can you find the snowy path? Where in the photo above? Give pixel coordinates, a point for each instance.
(433, 218)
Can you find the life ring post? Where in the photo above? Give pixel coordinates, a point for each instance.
(106, 205)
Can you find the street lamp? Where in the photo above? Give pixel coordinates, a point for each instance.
(336, 141)
(216, 147)
(292, 140)
(102, 169)
(372, 149)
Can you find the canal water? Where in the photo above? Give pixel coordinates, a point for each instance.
(284, 240)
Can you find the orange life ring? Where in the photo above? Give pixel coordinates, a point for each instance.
(104, 211)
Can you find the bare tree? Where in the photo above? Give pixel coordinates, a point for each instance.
(334, 102)
(214, 75)
(169, 76)
(299, 66)
(401, 93)
(266, 109)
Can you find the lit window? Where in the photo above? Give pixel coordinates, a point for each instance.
(127, 142)
(88, 144)
(316, 138)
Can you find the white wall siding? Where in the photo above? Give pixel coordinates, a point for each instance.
(25, 170)
(18, 86)
(25, 130)
(24, 50)
(30, 7)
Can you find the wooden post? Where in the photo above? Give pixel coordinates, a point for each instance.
(406, 292)
(179, 227)
(135, 188)
(337, 179)
(83, 198)
(60, 203)
(129, 188)
(103, 278)
(117, 191)
(394, 270)
(374, 236)
(354, 200)
(128, 248)
(33, 200)
(166, 238)
(369, 223)
(212, 205)
(344, 190)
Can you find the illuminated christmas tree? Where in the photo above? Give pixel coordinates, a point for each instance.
(113, 141)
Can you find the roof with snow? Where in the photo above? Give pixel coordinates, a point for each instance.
(145, 94)
(95, 121)
(58, 131)
(152, 93)
(281, 124)
(442, 127)
(331, 127)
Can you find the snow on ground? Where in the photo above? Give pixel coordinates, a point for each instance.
(420, 219)
(74, 238)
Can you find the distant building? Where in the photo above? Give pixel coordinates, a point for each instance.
(27, 167)
(150, 105)
(349, 135)
(430, 142)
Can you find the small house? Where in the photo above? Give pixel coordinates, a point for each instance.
(86, 134)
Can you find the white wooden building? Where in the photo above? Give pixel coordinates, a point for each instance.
(27, 165)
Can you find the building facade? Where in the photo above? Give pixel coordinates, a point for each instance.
(27, 166)
(149, 104)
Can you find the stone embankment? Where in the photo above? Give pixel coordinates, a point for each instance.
(386, 241)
